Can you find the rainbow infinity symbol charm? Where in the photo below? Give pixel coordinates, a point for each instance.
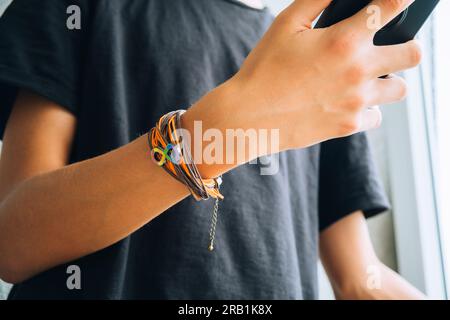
(170, 153)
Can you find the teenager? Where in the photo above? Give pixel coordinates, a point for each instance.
(79, 190)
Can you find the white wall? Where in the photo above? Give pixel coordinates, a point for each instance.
(277, 5)
(4, 4)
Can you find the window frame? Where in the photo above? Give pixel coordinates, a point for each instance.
(411, 145)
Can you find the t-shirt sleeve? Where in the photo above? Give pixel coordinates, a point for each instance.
(40, 53)
(349, 181)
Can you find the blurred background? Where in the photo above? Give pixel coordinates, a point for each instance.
(413, 156)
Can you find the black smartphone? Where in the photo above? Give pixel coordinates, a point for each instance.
(402, 29)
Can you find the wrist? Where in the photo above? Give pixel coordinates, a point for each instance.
(213, 113)
(227, 128)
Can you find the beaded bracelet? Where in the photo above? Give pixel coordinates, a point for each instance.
(170, 152)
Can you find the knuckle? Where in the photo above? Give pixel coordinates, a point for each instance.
(355, 102)
(395, 5)
(348, 126)
(344, 44)
(355, 74)
(415, 53)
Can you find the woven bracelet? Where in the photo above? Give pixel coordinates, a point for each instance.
(169, 151)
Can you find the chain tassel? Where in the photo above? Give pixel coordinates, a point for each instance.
(212, 231)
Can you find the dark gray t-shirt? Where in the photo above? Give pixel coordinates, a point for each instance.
(133, 61)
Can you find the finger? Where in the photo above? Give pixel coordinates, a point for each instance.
(389, 90)
(395, 58)
(376, 15)
(370, 118)
(304, 12)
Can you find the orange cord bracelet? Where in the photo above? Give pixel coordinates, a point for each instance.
(170, 152)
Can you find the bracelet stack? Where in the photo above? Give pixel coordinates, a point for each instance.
(169, 151)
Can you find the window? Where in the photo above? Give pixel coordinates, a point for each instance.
(441, 119)
(418, 132)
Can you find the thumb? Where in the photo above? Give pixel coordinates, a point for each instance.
(306, 11)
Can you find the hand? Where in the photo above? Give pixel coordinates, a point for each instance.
(318, 84)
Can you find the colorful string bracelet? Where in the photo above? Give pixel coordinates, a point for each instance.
(169, 151)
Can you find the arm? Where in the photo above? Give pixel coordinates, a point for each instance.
(86, 206)
(353, 268)
(92, 204)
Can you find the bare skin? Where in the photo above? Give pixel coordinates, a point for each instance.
(350, 260)
(52, 212)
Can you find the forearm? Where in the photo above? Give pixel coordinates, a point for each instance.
(379, 283)
(81, 208)
(353, 267)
